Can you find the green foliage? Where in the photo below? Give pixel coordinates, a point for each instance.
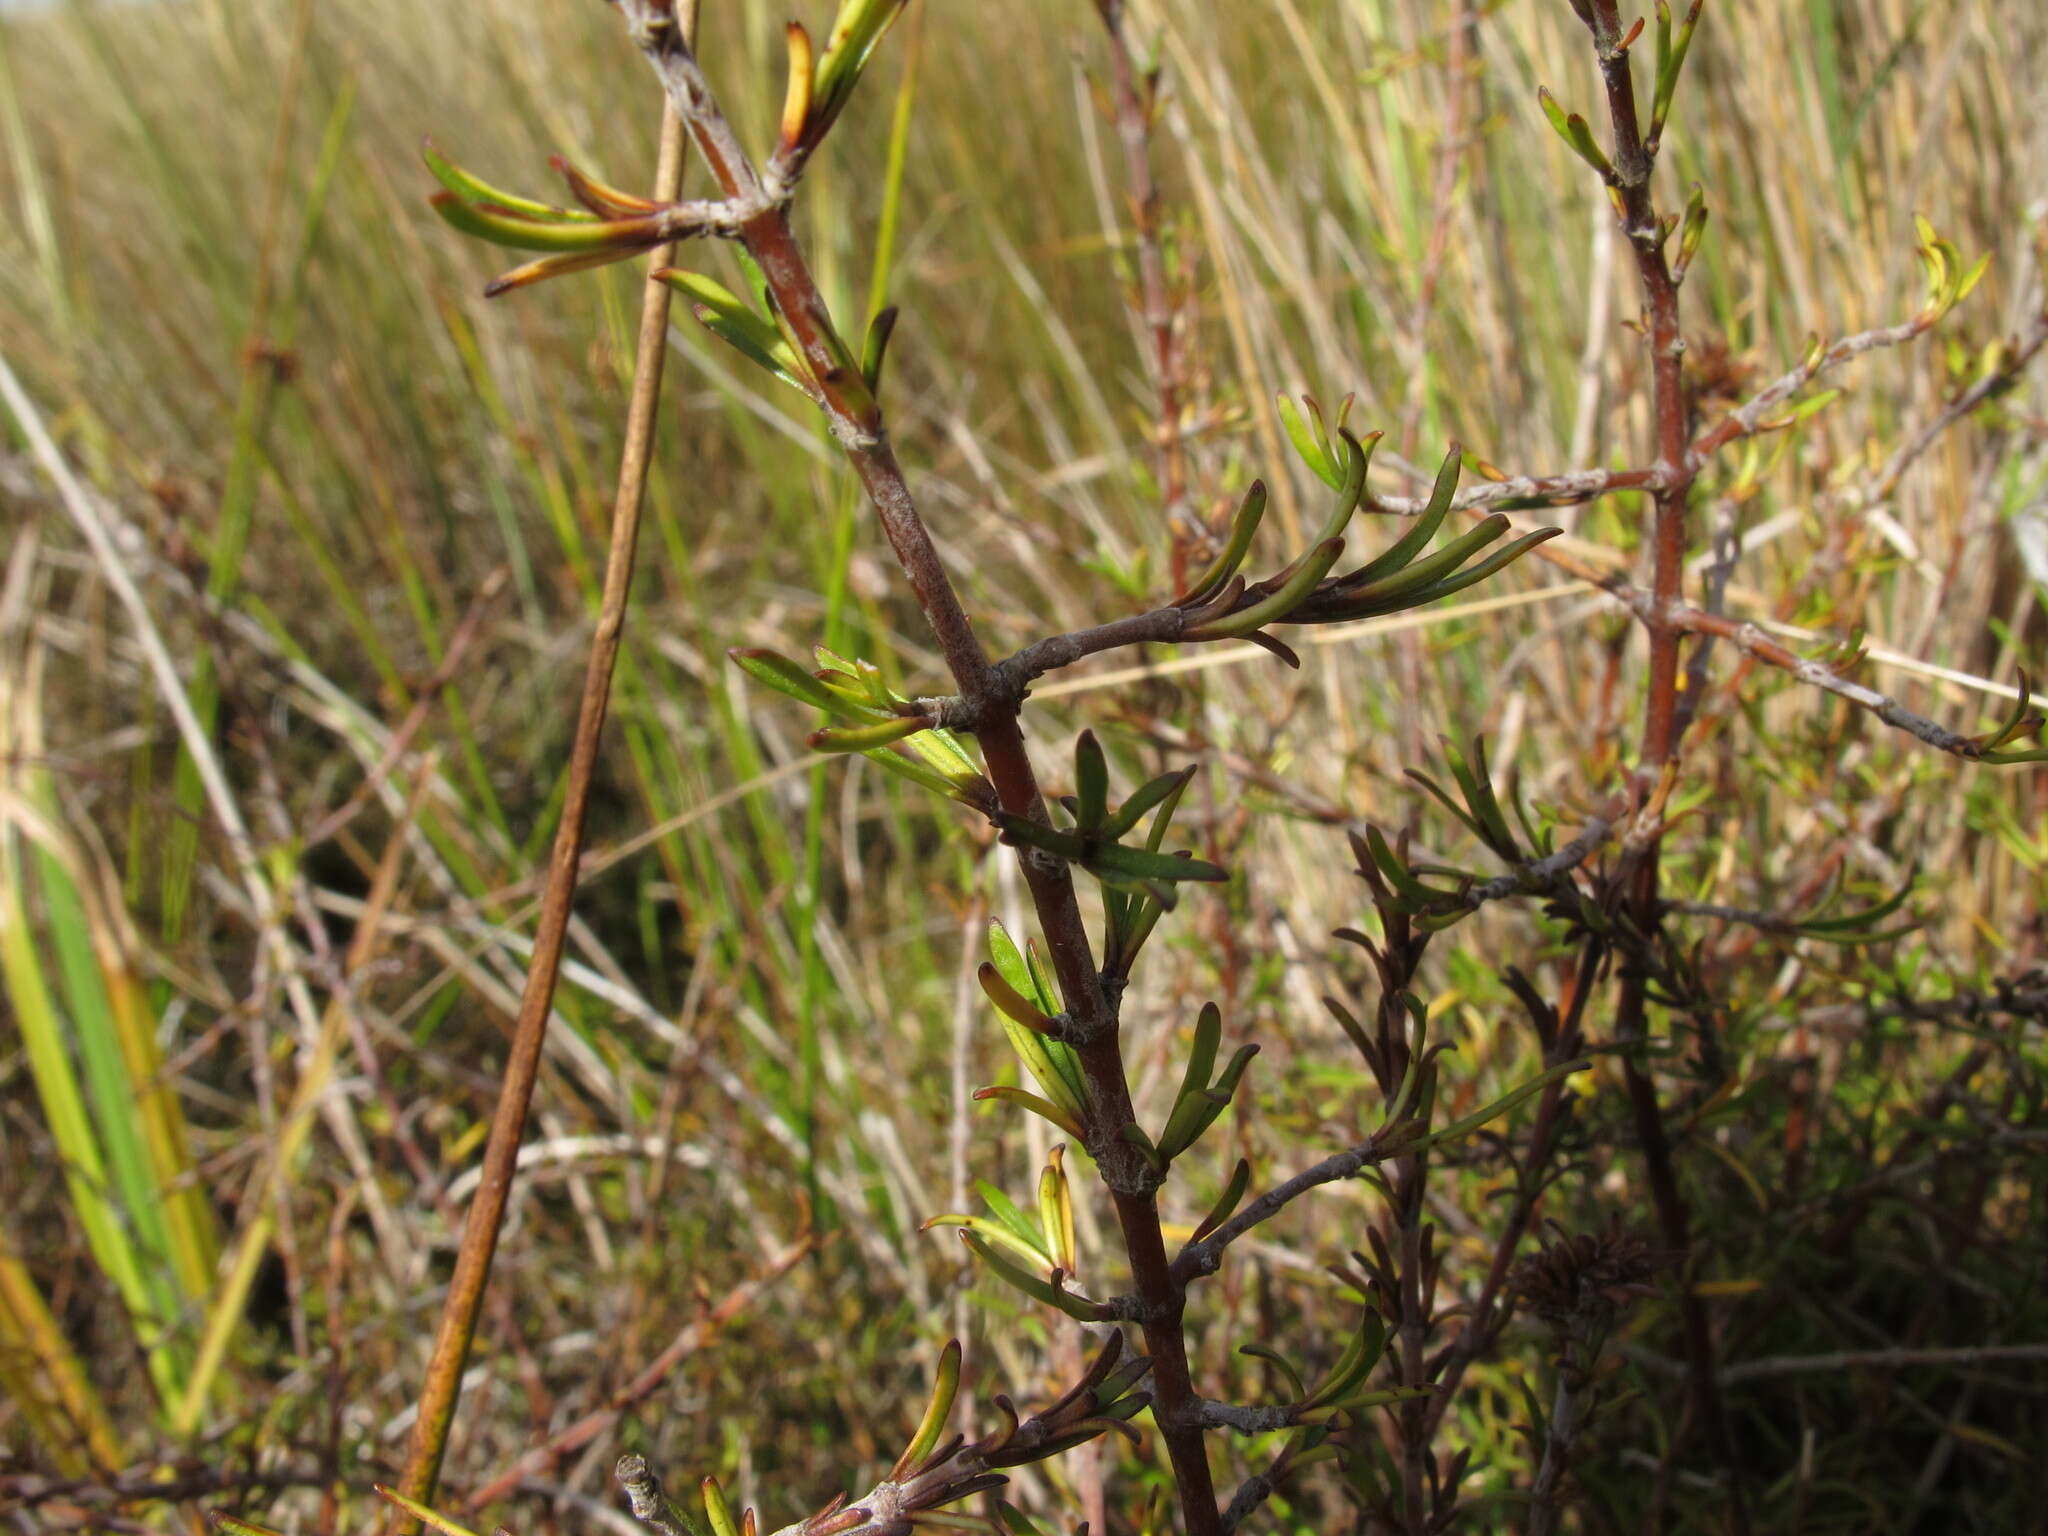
(1094, 842)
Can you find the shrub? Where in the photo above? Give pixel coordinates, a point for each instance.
(1410, 1384)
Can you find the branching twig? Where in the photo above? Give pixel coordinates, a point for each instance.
(1766, 922)
(2024, 997)
(1755, 415)
(1243, 1417)
(400, 741)
(1753, 642)
(927, 1480)
(1559, 490)
(1540, 874)
(1993, 383)
(1197, 1259)
(1771, 1368)
(1251, 1493)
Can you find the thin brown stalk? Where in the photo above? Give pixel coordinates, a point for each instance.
(1461, 84)
(443, 1384)
(1136, 107)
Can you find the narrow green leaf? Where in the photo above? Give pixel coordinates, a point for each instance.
(1473, 574)
(1670, 63)
(716, 1511)
(786, 677)
(1576, 133)
(1134, 1134)
(1010, 964)
(1147, 795)
(1250, 512)
(1091, 782)
(1042, 1107)
(1420, 573)
(1227, 1202)
(1009, 1002)
(1406, 886)
(1275, 607)
(1028, 1248)
(864, 738)
(1208, 1036)
(1143, 864)
(734, 322)
(1502, 1105)
(1412, 543)
(1280, 1363)
(1031, 1285)
(502, 226)
(1056, 1212)
(1357, 459)
(960, 789)
(1692, 229)
(1313, 444)
(945, 1387)
(1022, 831)
(1007, 1211)
(875, 350)
(471, 189)
(433, 1520)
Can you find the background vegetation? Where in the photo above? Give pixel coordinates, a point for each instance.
(322, 449)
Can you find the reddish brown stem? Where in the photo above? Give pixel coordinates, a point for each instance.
(856, 420)
(1629, 184)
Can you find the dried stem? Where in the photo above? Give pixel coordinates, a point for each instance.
(1136, 104)
(400, 742)
(443, 1384)
(1998, 380)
